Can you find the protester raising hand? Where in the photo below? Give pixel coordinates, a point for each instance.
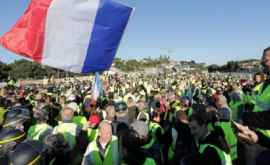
(246, 134)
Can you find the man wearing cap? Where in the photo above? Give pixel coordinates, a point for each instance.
(121, 110)
(103, 150)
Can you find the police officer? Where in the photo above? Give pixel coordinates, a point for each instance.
(12, 132)
(27, 153)
(9, 138)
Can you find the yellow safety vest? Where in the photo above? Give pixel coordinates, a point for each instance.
(172, 146)
(230, 138)
(69, 131)
(37, 130)
(224, 157)
(92, 134)
(79, 120)
(262, 103)
(2, 113)
(111, 156)
(262, 100)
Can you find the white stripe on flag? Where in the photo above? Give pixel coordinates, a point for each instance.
(68, 31)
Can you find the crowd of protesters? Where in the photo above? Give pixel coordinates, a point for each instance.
(168, 119)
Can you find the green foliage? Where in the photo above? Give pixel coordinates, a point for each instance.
(234, 66)
(139, 65)
(4, 71)
(231, 66)
(23, 69)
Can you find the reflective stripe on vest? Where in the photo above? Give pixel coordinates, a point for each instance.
(79, 120)
(257, 88)
(2, 113)
(190, 111)
(145, 114)
(92, 134)
(175, 104)
(37, 130)
(225, 158)
(234, 105)
(172, 146)
(111, 153)
(149, 161)
(230, 138)
(265, 132)
(19, 137)
(262, 100)
(153, 127)
(263, 104)
(149, 145)
(69, 131)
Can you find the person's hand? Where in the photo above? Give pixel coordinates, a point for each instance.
(246, 134)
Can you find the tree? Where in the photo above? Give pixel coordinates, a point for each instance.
(213, 68)
(23, 69)
(4, 71)
(193, 62)
(233, 66)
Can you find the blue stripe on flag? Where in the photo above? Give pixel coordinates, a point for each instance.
(110, 23)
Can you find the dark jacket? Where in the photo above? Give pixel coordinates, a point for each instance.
(263, 140)
(210, 155)
(185, 143)
(257, 119)
(224, 113)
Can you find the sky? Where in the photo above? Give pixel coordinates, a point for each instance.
(209, 31)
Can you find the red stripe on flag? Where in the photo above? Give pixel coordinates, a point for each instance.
(26, 37)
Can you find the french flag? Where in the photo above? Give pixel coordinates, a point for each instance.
(79, 36)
